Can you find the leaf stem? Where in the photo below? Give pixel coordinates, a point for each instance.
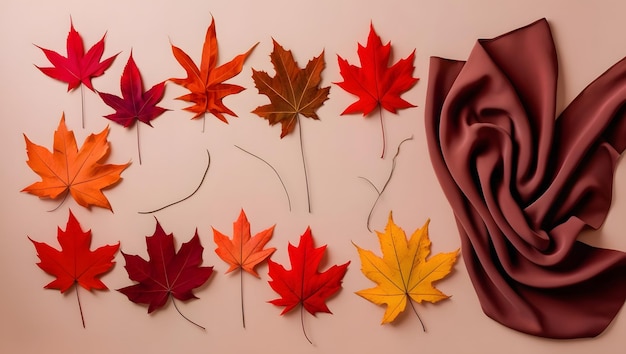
(65, 194)
(180, 313)
(415, 311)
(302, 323)
(82, 105)
(80, 307)
(190, 195)
(203, 121)
(380, 192)
(382, 129)
(243, 316)
(138, 147)
(306, 177)
(273, 169)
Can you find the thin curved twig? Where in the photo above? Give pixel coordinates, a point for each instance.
(273, 169)
(381, 191)
(190, 195)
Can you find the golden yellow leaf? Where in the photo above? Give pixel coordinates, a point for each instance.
(403, 272)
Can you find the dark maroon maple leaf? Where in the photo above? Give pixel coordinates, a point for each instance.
(168, 274)
(78, 67)
(135, 104)
(303, 284)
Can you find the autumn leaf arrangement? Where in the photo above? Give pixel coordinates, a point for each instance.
(403, 274)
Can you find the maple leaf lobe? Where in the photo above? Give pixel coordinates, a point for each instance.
(292, 91)
(78, 67)
(67, 169)
(75, 263)
(403, 271)
(375, 83)
(303, 284)
(244, 251)
(167, 272)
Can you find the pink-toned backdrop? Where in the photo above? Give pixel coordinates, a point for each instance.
(589, 38)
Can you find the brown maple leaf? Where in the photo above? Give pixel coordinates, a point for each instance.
(206, 83)
(292, 92)
(68, 170)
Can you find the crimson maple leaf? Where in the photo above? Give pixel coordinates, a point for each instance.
(303, 284)
(375, 83)
(75, 263)
(168, 274)
(135, 104)
(78, 67)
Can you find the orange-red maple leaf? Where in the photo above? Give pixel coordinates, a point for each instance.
(206, 83)
(75, 263)
(67, 169)
(292, 91)
(244, 251)
(375, 83)
(303, 284)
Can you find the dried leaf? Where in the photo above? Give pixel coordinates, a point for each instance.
(67, 169)
(75, 263)
(404, 273)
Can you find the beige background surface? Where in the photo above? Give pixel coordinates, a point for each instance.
(589, 37)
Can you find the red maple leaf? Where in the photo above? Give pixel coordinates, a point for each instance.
(78, 67)
(377, 84)
(75, 263)
(167, 274)
(304, 285)
(135, 104)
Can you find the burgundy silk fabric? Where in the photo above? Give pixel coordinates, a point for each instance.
(523, 184)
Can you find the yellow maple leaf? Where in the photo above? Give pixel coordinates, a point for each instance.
(403, 272)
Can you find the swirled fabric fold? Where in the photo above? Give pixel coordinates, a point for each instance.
(523, 183)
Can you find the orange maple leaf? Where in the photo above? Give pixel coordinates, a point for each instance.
(207, 82)
(243, 251)
(69, 170)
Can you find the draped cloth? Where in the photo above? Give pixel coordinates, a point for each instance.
(523, 183)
